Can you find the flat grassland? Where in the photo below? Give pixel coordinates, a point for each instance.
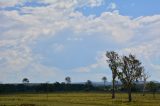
(77, 99)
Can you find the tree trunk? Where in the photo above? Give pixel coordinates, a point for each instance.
(144, 90)
(144, 87)
(104, 85)
(113, 91)
(129, 94)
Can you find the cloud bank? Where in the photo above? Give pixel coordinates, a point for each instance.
(23, 28)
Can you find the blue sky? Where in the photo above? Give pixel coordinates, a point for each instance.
(47, 40)
(133, 8)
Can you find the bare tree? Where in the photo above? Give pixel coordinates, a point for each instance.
(153, 87)
(130, 71)
(68, 80)
(145, 76)
(104, 79)
(113, 61)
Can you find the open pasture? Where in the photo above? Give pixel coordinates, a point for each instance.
(77, 99)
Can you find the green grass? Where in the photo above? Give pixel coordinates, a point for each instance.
(77, 99)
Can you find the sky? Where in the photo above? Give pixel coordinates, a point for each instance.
(48, 40)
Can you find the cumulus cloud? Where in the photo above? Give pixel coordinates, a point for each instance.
(74, 3)
(108, 24)
(9, 3)
(20, 29)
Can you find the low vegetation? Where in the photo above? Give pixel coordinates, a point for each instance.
(78, 99)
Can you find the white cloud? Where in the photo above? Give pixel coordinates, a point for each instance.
(82, 69)
(9, 3)
(74, 3)
(109, 24)
(100, 63)
(22, 28)
(146, 50)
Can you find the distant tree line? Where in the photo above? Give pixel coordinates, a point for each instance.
(43, 87)
(65, 87)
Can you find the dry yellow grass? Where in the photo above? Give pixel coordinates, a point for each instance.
(77, 99)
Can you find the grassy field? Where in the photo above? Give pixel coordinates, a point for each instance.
(77, 99)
